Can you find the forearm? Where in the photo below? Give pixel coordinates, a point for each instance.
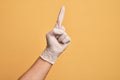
(38, 70)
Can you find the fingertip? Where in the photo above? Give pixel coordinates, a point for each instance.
(63, 8)
(61, 16)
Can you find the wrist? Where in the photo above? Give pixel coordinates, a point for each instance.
(49, 56)
(44, 61)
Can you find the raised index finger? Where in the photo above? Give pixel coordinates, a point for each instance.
(61, 16)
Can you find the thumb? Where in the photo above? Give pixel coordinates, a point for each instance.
(57, 31)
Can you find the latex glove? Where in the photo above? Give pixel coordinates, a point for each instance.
(57, 40)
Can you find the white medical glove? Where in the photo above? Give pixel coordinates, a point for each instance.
(57, 40)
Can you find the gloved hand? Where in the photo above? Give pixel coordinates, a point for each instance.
(57, 40)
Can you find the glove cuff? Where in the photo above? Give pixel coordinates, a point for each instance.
(48, 56)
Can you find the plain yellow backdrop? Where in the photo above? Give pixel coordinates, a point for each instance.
(94, 27)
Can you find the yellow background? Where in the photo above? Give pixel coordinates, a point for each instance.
(94, 27)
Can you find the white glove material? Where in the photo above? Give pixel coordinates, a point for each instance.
(57, 40)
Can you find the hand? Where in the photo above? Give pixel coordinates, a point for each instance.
(57, 40)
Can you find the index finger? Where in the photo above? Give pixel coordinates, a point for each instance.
(61, 16)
